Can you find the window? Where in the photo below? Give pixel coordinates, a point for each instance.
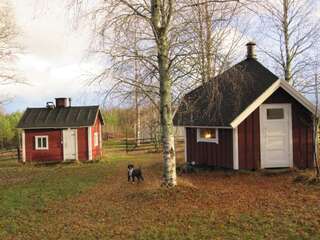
(96, 139)
(207, 135)
(42, 142)
(275, 113)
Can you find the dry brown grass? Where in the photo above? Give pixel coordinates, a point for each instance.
(205, 205)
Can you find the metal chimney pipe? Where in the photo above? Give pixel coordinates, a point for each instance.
(251, 50)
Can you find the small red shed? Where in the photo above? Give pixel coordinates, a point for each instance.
(247, 118)
(61, 132)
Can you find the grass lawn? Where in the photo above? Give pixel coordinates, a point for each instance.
(95, 201)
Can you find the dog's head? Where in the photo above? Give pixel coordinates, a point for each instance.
(130, 166)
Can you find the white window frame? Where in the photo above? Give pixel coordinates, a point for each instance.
(212, 140)
(37, 147)
(96, 139)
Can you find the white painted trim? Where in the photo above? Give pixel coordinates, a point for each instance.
(36, 142)
(214, 140)
(290, 137)
(89, 143)
(76, 140)
(23, 140)
(277, 105)
(277, 84)
(253, 106)
(100, 138)
(218, 127)
(185, 145)
(235, 149)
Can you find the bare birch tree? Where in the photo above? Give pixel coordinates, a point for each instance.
(7, 47)
(163, 47)
(293, 29)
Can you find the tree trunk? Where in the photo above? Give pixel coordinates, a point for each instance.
(287, 67)
(137, 132)
(169, 157)
(315, 129)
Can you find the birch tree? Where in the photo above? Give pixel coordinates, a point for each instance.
(163, 48)
(293, 29)
(7, 48)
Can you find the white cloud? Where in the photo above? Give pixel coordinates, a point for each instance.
(53, 61)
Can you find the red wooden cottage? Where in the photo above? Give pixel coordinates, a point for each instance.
(61, 132)
(247, 118)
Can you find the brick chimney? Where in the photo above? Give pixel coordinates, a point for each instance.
(62, 102)
(251, 50)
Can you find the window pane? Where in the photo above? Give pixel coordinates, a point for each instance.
(275, 113)
(39, 142)
(44, 142)
(207, 133)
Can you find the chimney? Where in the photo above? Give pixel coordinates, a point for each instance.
(62, 102)
(50, 105)
(251, 50)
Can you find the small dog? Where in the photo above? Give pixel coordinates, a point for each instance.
(134, 173)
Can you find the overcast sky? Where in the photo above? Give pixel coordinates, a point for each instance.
(54, 61)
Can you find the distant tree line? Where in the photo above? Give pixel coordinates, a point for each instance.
(9, 134)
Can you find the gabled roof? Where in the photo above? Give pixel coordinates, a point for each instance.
(63, 117)
(218, 102)
(232, 96)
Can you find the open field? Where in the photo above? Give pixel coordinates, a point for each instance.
(94, 201)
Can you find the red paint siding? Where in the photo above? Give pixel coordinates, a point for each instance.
(249, 134)
(302, 129)
(249, 142)
(96, 150)
(55, 151)
(83, 144)
(211, 154)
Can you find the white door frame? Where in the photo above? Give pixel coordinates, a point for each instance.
(277, 105)
(75, 141)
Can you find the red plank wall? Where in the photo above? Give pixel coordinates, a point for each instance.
(96, 150)
(55, 152)
(83, 144)
(301, 129)
(249, 142)
(249, 134)
(211, 154)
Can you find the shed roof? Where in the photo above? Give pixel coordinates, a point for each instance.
(63, 117)
(218, 102)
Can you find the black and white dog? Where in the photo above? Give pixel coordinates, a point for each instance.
(134, 173)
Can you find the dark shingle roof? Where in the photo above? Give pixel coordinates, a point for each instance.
(59, 117)
(220, 101)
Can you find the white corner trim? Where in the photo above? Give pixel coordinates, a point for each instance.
(214, 140)
(89, 143)
(235, 149)
(100, 139)
(76, 142)
(185, 145)
(253, 106)
(290, 137)
(23, 136)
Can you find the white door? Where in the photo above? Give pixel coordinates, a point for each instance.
(70, 144)
(276, 135)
